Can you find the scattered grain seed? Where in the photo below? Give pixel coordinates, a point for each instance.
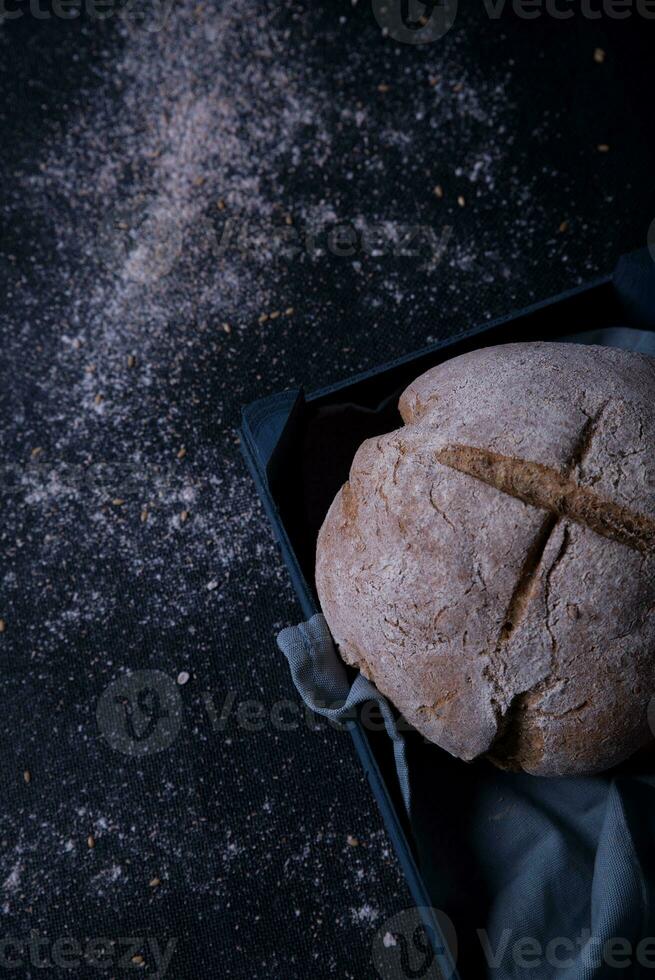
(184, 516)
(98, 399)
(154, 882)
(458, 87)
(90, 842)
(289, 311)
(263, 317)
(275, 314)
(144, 515)
(220, 204)
(212, 585)
(603, 148)
(27, 776)
(36, 452)
(352, 841)
(226, 327)
(288, 220)
(138, 960)
(599, 56)
(3, 626)
(131, 361)
(563, 227)
(461, 200)
(183, 677)
(438, 191)
(383, 87)
(181, 453)
(118, 501)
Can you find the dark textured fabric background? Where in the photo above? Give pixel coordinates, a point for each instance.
(135, 325)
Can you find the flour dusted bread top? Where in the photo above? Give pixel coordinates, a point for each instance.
(490, 565)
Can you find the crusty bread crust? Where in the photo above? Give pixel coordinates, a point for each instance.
(491, 564)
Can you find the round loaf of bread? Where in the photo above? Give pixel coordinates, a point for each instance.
(490, 565)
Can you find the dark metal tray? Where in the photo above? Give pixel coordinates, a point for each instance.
(299, 448)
